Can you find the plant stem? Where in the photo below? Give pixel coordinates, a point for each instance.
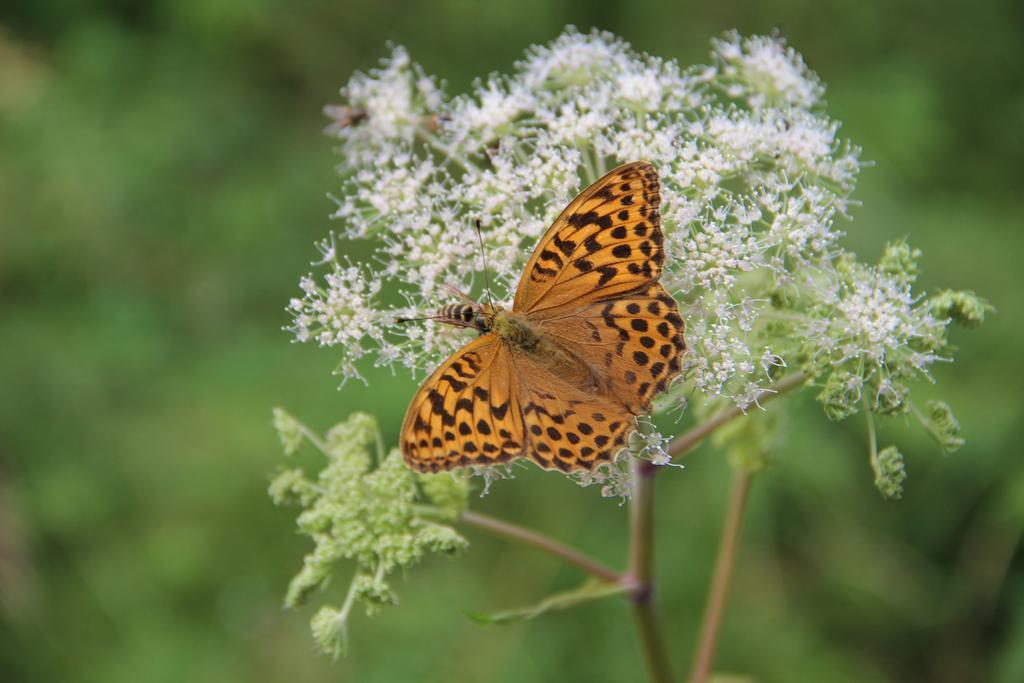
(724, 563)
(872, 440)
(569, 555)
(447, 151)
(649, 631)
(641, 571)
(685, 443)
(641, 527)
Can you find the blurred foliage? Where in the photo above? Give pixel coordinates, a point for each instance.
(162, 180)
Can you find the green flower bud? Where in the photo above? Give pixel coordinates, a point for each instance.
(899, 260)
(891, 398)
(840, 397)
(349, 441)
(964, 308)
(302, 584)
(446, 490)
(290, 487)
(890, 473)
(315, 520)
(846, 264)
(330, 631)
(943, 426)
(288, 430)
(441, 539)
(375, 593)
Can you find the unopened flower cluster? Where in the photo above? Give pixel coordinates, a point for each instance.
(755, 180)
(361, 507)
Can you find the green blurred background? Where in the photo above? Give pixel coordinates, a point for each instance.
(162, 180)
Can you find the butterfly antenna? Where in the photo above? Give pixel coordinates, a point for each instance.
(483, 255)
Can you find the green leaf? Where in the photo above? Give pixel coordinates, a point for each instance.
(593, 589)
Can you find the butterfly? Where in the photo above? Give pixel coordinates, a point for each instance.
(591, 338)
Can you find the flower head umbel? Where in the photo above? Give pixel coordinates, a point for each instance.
(754, 181)
(763, 71)
(362, 508)
(869, 336)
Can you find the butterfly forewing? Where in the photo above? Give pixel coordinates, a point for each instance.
(467, 412)
(607, 242)
(603, 300)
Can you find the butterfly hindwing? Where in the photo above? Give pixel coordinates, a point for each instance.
(568, 428)
(467, 412)
(607, 242)
(634, 343)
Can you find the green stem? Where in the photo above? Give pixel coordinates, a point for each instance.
(445, 150)
(546, 544)
(641, 571)
(381, 448)
(685, 443)
(872, 439)
(724, 563)
(346, 609)
(649, 631)
(313, 438)
(588, 164)
(641, 523)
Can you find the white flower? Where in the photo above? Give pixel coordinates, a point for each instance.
(870, 329)
(388, 103)
(764, 72)
(573, 59)
(488, 114)
(340, 312)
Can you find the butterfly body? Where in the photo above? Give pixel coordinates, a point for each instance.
(517, 332)
(590, 339)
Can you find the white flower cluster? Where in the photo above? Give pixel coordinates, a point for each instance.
(340, 311)
(753, 178)
(764, 72)
(868, 335)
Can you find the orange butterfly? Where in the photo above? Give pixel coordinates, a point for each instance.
(591, 338)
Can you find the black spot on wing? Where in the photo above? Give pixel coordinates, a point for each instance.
(607, 273)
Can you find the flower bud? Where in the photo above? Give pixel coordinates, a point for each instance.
(964, 308)
(890, 473)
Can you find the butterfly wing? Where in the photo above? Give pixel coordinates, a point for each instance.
(634, 343)
(567, 427)
(607, 242)
(467, 412)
